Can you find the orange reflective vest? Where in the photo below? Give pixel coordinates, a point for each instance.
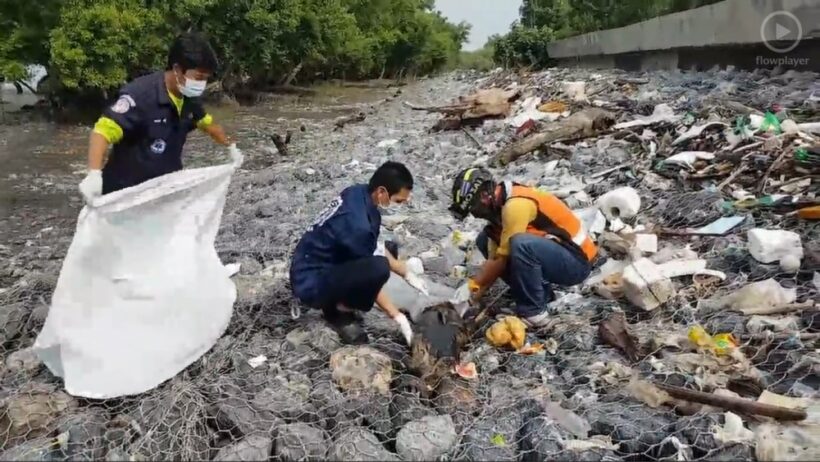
(554, 219)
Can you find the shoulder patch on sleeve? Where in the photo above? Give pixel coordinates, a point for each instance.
(124, 104)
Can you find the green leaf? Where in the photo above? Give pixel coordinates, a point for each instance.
(498, 440)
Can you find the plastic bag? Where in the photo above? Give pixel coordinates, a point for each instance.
(413, 302)
(142, 293)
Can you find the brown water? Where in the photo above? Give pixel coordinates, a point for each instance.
(42, 162)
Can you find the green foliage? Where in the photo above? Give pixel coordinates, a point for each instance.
(571, 17)
(24, 29)
(99, 44)
(96, 45)
(478, 60)
(524, 47)
(557, 19)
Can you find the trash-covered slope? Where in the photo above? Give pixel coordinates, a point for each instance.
(690, 149)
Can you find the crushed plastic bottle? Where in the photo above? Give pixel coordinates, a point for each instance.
(771, 124)
(721, 344)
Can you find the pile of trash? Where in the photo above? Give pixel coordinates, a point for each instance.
(696, 337)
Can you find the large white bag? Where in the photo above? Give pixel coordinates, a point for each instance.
(142, 293)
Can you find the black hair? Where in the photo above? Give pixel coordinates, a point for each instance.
(394, 176)
(191, 50)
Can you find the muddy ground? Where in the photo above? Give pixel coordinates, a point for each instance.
(571, 403)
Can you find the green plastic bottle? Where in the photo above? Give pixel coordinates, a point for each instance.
(771, 123)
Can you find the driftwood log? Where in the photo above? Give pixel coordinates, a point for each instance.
(343, 121)
(584, 124)
(453, 109)
(282, 143)
(376, 84)
(738, 405)
(473, 109)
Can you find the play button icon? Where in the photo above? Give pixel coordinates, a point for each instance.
(781, 31)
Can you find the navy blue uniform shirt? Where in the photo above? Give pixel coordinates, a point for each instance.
(348, 229)
(154, 133)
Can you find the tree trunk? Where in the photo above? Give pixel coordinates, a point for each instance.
(293, 74)
(583, 124)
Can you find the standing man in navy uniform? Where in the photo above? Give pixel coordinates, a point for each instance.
(334, 267)
(149, 123)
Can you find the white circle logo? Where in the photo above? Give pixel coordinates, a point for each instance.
(781, 26)
(158, 146)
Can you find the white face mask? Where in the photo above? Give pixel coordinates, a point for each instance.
(389, 206)
(192, 88)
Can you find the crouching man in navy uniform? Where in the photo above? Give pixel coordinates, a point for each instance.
(334, 267)
(149, 123)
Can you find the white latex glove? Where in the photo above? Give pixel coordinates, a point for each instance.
(236, 155)
(417, 282)
(404, 325)
(92, 185)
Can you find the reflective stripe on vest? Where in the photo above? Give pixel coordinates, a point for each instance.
(580, 238)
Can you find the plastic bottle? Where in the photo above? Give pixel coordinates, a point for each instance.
(720, 344)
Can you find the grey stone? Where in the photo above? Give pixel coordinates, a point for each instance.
(268, 209)
(697, 432)
(301, 441)
(24, 361)
(180, 413)
(372, 409)
(358, 444)
(729, 322)
(529, 366)
(730, 453)
(301, 358)
(636, 427)
(318, 335)
(428, 438)
(540, 439)
(361, 369)
(287, 398)
(252, 448)
(249, 266)
(31, 413)
(86, 434)
(407, 407)
(492, 438)
(253, 290)
(454, 256)
(238, 417)
(590, 455)
(38, 450)
(438, 265)
(12, 319)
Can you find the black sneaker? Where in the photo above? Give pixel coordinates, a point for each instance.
(348, 327)
(352, 333)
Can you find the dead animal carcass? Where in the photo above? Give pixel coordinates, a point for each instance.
(436, 348)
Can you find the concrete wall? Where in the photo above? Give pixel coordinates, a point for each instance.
(725, 24)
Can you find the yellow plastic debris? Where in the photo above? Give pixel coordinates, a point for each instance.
(533, 349)
(721, 344)
(509, 331)
(553, 106)
(699, 337)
